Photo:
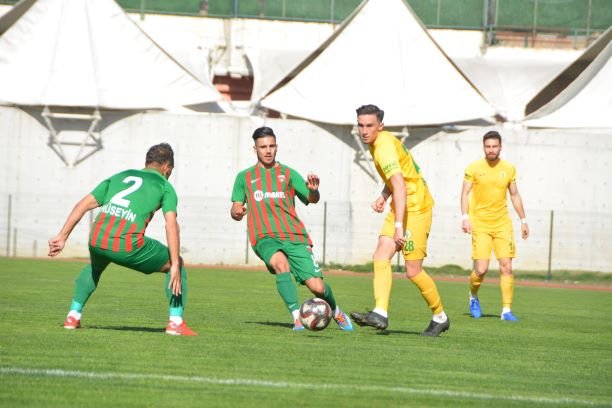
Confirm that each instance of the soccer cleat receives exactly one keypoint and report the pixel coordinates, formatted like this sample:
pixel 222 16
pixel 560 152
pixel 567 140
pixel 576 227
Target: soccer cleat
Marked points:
pixel 298 326
pixel 179 329
pixel 343 321
pixel 371 319
pixel 475 310
pixel 71 323
pixel 435 329
pixel 508 316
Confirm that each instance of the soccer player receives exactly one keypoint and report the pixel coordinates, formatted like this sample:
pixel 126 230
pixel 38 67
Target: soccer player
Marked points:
pixel 128 200
pixel 405 228
pixel 276 233
pixel 485 216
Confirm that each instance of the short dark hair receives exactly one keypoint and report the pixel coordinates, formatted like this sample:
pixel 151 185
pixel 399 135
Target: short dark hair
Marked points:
pixel 491 134
pixel 371 110
pixel 160 153
pixel 262 132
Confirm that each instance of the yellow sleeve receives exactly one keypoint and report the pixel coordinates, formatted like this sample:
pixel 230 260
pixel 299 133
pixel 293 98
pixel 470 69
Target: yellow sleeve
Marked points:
pixel 469 174
pixel 386 157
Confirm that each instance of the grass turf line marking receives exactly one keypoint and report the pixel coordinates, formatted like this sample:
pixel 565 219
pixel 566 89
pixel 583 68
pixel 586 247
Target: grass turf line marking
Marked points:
pixel 32 372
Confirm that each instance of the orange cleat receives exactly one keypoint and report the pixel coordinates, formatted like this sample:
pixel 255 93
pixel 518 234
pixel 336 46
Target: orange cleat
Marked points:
pixel 71 323
pixel 179 329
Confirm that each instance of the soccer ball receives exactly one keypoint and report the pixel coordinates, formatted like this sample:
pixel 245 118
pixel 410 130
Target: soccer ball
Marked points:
pixel 315 314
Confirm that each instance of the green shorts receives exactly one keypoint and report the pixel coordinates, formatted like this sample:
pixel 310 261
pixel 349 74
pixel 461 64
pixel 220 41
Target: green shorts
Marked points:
pixel 149 258
pixel 302 261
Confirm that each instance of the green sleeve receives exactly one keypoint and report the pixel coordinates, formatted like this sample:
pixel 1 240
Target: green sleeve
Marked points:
pixel 169 199
pixel 100 191
pixel 239 192
pixel 299 184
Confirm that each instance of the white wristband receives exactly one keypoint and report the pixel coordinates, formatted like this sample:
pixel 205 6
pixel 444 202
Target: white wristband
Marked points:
pixel 465 217
pixel 399 225
pixel 523 220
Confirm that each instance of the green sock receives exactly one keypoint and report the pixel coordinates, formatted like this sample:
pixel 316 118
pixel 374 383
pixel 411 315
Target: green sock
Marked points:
pixel 177 303
pixel 85 284
pixel 287 290
pixel 328 296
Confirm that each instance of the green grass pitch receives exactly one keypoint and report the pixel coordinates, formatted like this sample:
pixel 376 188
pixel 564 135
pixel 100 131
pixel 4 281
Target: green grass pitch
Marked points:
pixel 559 354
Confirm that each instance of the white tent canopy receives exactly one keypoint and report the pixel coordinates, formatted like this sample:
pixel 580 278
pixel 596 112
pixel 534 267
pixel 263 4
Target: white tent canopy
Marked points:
pixel 270 66
pixel 581 95
pixel 88 53
pixel 382 55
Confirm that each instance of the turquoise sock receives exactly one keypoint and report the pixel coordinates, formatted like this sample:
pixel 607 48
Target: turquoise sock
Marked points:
pixel 76 306
pixel 177 303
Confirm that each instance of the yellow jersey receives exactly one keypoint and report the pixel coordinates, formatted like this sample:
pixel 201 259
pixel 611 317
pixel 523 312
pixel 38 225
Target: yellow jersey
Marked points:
pixel 488 207
pixel 392 157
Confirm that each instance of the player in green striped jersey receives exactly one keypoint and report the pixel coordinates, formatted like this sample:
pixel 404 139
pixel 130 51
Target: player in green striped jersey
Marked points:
pixel 276 233
pixel 128 201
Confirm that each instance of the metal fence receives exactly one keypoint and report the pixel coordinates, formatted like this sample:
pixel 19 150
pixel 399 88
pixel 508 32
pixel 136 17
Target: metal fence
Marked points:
pixel 569 16
pixel 343 233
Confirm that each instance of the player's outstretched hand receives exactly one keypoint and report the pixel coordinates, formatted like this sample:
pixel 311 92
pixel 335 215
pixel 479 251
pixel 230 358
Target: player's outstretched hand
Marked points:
pixel 312 182
pixel 56 244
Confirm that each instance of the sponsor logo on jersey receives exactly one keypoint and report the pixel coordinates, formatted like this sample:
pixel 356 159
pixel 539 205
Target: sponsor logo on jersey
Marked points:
pixel 260 195
pixel 391 166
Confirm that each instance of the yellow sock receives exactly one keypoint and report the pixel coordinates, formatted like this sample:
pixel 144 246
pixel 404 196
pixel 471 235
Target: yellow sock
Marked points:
pixel 506 283
pixel 475 282
pixel 429 291
pixel 382 283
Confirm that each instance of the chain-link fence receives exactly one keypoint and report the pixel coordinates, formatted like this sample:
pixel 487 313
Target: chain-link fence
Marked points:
pixel 342 232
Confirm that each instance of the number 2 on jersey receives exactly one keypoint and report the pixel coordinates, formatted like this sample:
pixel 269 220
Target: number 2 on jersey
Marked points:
pixel 119 199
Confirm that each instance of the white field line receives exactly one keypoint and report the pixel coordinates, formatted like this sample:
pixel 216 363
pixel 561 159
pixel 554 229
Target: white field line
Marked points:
pixel 30 372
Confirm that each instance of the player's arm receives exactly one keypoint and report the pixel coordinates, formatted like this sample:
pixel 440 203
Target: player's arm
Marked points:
pixel 517 202
pixel 57 243
pixel 466 225
pixel 238 210
pixel 399 206
pixel 174 243
pixel 379 204
pixel 312 182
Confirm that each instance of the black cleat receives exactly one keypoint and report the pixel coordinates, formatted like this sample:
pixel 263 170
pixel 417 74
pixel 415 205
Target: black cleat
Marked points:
pixel 435 329
pixel 371 319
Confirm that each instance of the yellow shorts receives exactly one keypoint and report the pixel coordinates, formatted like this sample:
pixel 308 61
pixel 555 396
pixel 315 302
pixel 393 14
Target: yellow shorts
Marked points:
pixel 417 227
pixel 502 243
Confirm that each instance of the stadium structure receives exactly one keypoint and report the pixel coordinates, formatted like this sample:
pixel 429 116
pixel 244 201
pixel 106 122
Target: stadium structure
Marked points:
pixel 85 89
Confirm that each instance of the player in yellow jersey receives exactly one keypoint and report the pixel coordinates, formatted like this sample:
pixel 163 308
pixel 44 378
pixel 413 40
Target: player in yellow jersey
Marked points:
pixel 485 216
pixel 406 227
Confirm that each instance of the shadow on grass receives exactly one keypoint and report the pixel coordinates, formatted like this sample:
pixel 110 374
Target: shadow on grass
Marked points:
pixel 403 332
pixel 484 316
pixel 128 328
pixel 273 324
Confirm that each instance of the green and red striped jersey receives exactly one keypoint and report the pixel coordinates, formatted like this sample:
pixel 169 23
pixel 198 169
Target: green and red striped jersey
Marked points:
pixel 270 198
pixel 128 201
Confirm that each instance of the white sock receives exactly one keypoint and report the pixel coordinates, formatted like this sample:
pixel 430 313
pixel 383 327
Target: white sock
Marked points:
pixel 472 297
pixel 295 314
pixel 380 311
pixel 176 319
pixel 506 310
pixel 440 317
pixel 75 314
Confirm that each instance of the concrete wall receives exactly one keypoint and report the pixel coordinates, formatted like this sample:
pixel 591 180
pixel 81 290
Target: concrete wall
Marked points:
pixel 566 172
